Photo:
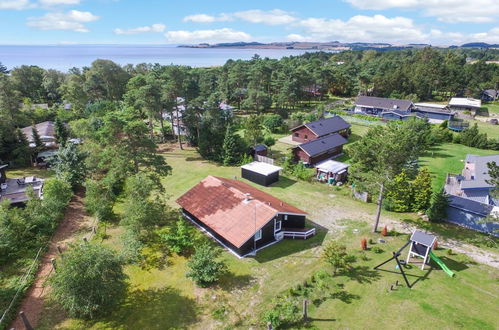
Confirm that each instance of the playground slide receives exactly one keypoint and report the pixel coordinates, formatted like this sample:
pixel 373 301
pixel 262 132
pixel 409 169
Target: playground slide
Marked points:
pixel 441 264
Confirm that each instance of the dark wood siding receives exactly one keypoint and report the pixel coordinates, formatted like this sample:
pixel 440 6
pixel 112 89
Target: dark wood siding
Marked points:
pixel 292 221
pixel 303 134
pixel 264 180
pixel 267 238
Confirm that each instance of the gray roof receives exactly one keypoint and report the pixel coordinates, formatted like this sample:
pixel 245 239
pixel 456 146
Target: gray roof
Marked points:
pixel 44 129
pixel 383 103
pixel 326 126
pixel 321 145
pixel 470 205
pixel 260 147
pixel 492 92
pixel 422 238
pixel 480 172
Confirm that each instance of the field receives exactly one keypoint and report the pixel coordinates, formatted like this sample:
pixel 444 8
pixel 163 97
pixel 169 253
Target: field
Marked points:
pixel 160 297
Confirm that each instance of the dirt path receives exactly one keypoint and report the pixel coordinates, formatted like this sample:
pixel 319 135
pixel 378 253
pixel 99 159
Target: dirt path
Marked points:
pixel 75 221
pixel 331 219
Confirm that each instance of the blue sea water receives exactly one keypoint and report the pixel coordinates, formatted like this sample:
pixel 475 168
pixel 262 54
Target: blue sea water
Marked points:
pixel 64 57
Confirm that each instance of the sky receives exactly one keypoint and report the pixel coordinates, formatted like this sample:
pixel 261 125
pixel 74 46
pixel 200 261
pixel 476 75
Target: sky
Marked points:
pixel 437 22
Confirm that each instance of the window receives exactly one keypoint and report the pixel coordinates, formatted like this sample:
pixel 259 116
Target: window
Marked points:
pixel 258 235
pixel 278 225
pixel 297 134
pixel 285 217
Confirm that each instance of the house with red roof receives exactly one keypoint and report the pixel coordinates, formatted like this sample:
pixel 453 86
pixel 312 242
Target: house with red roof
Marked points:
pixel 242 218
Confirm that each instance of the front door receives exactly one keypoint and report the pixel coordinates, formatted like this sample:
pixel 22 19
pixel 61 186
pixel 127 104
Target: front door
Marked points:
pixel 277 230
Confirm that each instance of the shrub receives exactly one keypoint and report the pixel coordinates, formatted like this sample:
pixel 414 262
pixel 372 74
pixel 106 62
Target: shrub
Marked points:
pixel 179 238
pixel 336 255
pixel 204 268
pixel 363 244
pixel 89 280
pixel 273 122
pixel 377 249
pixel 283 313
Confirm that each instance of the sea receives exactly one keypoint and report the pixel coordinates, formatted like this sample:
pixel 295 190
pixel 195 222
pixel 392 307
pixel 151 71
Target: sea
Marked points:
pixel 64 57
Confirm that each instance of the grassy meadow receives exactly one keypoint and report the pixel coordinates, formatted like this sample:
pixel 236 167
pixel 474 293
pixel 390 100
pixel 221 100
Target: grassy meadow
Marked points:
pixel 161 297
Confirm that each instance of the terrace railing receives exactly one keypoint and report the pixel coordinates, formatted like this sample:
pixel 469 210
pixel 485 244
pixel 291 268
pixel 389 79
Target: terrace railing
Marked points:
pixel 303 234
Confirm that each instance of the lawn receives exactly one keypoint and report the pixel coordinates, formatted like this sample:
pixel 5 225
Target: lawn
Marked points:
pixel 160 297
pixel 448 158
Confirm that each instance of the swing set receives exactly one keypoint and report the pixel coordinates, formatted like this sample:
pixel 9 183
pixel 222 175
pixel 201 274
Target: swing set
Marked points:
pixel 421 245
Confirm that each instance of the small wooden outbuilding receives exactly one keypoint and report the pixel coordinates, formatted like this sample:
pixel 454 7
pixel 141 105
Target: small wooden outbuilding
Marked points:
pixel 262 173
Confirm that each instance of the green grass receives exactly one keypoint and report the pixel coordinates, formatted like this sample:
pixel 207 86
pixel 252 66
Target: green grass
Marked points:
pixel 486 127
pixel 29 171
pixel 161 297
pixel 448 158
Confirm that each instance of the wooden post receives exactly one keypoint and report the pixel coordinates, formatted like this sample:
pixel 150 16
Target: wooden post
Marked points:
pixel 269 326
pixel 85 240
pixel 26 323
pixel 305 307
pixel 52 260
pixel 59 249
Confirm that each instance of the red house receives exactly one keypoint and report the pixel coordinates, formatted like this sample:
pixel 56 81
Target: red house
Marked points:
pixel 320 128
pixel 320 149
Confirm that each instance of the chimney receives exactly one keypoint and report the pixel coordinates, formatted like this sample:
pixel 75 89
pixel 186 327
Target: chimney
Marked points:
pixel 247 199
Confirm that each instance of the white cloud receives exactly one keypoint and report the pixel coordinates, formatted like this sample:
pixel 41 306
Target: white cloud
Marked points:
pixel 271 17
pixel 360 28
pixel 203 18
pixel 207 36
pixel 378 28
pixel 15 4
pixel 155 28
pixel 450 11
pixel 72 20
pixel 59 2
pixel 257 16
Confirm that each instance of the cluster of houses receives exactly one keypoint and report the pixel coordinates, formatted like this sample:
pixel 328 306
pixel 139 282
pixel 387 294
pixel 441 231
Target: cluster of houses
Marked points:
pixel 395 109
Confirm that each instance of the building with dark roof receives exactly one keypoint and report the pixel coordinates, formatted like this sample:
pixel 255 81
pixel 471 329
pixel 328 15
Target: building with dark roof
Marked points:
pixel 240 217
pixel 435 113
pixel 377 105
pixel 490 95
pixel 320 149
pixel 470 195
pixel 320 128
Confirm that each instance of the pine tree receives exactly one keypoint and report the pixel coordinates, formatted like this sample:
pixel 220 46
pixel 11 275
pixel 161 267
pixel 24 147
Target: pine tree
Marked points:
pixel 61 132
pixel 230 148
pixel 37 140
pixel 438 206
pixel 421 188
pixel 20 150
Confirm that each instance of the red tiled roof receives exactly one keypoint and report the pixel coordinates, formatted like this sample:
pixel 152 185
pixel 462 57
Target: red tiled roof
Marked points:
pixel 220 204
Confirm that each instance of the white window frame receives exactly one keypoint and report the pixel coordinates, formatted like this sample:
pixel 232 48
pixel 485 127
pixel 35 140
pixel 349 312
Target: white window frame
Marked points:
pixel 285 217
pixel 258 235
pixel 275 225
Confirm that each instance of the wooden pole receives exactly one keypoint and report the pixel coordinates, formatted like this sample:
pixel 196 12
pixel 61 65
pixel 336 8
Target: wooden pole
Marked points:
pixel 26 323
pixel 52 260
pixel 305 310
pixel 59 249
pixel 269 326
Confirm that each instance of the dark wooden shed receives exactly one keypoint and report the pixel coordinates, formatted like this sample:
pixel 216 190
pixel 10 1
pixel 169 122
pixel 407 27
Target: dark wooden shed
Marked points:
pixel 262 173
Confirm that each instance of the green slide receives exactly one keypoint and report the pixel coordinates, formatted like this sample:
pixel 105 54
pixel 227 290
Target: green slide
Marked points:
pixel 441 264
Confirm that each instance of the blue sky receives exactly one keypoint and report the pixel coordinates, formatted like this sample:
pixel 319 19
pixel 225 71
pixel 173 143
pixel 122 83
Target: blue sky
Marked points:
pixel 439 22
